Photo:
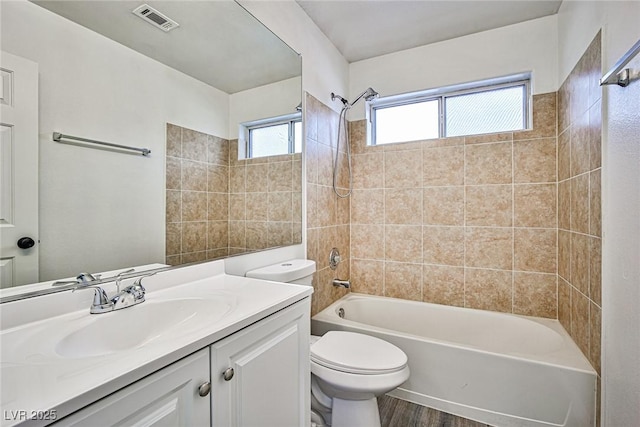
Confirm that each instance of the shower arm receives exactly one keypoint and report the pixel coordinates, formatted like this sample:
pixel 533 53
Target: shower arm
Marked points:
pixel 358 98
pixel 369 94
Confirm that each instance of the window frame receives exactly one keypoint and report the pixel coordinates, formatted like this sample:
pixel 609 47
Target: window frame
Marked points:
pixel 289 119
pixel 440 94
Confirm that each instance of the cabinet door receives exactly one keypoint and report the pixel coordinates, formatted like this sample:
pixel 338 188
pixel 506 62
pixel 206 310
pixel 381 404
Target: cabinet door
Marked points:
pixel 167 398
pixel 270 385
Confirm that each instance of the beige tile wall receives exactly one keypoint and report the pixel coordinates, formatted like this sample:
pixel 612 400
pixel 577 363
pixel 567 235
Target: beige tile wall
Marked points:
pixel 468 221
pixel 218 205
pixel 327 214
pixel 579 198
pixel 197 181
pixel 265 201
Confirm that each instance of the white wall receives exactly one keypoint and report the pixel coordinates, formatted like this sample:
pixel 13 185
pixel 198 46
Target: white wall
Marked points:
pixel 620 22
pixel 93 87
pixel 527 46
pixel 263 102
pixel 324 69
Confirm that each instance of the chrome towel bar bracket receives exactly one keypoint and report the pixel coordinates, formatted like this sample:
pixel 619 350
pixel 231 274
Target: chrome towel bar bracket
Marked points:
pixel 619 75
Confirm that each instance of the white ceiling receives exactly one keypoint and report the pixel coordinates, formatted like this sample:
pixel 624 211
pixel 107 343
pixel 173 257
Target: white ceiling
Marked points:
pixel 364 29
pixel 217 42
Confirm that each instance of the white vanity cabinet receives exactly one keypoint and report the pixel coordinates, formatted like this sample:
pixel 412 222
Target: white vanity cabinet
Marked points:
pixel 260 376
pixel 269 386
pixel 167 398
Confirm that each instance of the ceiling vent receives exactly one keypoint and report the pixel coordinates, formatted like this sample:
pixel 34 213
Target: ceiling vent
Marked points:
pixel 155 18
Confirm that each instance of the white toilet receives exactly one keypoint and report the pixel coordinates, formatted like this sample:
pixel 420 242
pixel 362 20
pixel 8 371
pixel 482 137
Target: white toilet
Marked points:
pixel 348 369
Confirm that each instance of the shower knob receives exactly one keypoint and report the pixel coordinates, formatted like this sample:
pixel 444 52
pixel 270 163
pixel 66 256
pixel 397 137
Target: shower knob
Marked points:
pixel 334 258
pixel 26 242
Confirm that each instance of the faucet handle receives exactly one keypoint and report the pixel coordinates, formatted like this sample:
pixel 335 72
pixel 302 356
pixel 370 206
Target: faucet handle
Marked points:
pixel 137 290
pixel 100 302
pixel 138 281
pixel 100 297
pixel 119 277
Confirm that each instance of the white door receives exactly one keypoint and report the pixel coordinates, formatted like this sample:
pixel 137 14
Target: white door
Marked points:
pixel 18 171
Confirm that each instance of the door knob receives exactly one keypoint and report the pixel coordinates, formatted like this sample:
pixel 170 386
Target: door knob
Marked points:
pixel 26 242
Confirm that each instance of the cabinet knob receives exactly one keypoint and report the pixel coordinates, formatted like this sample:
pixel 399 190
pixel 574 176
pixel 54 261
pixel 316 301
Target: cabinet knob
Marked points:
pixel 228 374
pixel 204 389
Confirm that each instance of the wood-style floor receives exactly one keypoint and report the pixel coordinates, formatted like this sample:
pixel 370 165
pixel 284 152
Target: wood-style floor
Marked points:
pixel 398 413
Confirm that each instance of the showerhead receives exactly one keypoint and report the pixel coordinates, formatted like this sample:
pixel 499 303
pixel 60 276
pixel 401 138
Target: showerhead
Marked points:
pixel 368 95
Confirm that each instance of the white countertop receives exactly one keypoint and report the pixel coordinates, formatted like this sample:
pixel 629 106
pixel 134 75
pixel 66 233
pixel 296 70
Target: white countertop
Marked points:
pixel 35 376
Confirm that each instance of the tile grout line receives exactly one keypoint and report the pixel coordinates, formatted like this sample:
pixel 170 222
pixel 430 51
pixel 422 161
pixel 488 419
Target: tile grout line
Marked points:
pixel 557 145
pixel 513 227
pixel 464 222
pixel 384 225
pixel 422 278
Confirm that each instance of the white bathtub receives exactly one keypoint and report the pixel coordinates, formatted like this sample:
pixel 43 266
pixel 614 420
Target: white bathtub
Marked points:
pixel 500 369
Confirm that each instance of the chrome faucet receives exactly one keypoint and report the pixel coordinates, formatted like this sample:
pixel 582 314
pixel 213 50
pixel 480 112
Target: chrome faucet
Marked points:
pixel 342 283
pixel 127 297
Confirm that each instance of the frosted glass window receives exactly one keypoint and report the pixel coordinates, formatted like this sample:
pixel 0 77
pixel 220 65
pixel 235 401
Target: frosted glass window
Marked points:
pixel 269 140
pixel 497 110
pixel 494 105
pixel 409 122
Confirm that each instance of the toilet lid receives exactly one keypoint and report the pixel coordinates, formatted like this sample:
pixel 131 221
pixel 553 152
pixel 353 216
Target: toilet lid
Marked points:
pixel 357 353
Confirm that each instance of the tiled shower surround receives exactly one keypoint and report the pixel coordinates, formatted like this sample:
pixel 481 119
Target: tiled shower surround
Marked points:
pixel 579 199
pixel 327 214
pixel 468 221
pixel 506 222
pixel 219 206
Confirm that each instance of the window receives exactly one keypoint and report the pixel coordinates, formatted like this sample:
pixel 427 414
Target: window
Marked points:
pixel 498 105
pixel 273 136
pixel 408 122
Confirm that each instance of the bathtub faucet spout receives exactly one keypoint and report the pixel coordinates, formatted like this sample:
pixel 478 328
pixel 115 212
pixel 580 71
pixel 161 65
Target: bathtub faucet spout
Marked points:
pixel 343 283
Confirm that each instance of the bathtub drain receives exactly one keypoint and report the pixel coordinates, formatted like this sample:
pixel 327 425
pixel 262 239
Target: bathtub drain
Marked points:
pixel 341 313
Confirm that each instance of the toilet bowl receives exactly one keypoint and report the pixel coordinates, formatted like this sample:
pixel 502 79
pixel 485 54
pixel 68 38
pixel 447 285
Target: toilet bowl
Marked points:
pixel 351 370
pixel 348 370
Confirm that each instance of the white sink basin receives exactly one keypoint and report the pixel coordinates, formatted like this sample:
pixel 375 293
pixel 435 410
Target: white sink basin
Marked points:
pixel 136 326
pixel 64 354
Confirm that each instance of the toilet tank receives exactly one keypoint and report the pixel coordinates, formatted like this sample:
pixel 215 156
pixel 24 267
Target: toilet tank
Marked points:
pixel 299 271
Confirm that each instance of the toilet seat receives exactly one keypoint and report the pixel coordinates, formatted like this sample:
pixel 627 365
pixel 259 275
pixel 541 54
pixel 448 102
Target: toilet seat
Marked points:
pixel 355 353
